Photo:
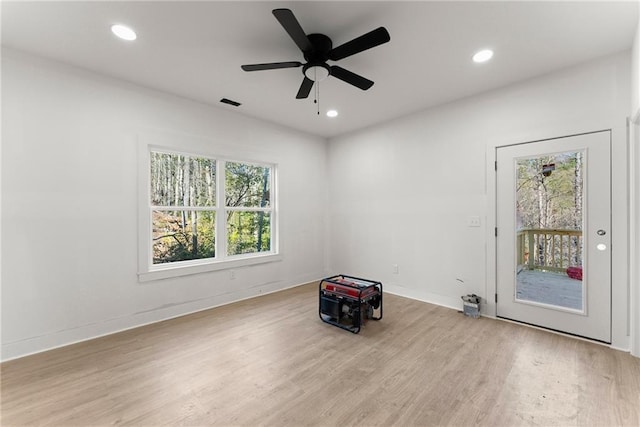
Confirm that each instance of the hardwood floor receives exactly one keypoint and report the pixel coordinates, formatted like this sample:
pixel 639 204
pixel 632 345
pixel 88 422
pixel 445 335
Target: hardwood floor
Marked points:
pixel 271 361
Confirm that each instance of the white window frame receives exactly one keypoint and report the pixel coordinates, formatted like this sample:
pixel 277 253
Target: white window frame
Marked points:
pixel 147 271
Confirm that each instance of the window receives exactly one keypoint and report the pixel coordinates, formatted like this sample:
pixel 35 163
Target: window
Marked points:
pixel 248 208
pixel 183 201
pixel 205 212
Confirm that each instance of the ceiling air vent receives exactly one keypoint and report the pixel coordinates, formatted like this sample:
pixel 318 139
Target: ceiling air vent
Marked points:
pixel 230 102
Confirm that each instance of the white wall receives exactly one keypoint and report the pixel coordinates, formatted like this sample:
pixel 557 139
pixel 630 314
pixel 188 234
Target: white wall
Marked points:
pixel 635 195
pixel 401 192
pixel 69 204
pixel 635 71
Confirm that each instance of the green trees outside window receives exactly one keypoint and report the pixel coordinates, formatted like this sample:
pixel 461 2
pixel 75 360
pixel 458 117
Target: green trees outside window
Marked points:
pixel 247 199
pixel 183 235
pixel 549 191
pixel 549 206
pixel 186 217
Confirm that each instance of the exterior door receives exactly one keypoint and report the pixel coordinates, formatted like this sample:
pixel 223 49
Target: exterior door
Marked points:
pixel 554 234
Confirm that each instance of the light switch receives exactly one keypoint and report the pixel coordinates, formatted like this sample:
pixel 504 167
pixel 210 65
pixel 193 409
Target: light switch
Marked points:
pixel 473 221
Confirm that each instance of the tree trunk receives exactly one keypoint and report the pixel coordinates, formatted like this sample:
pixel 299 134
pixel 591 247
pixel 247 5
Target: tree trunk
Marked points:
pixel 540 190
pixel 577 218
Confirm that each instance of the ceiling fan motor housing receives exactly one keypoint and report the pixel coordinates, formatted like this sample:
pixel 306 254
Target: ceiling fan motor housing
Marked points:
pixel 316 68
pixel 321 45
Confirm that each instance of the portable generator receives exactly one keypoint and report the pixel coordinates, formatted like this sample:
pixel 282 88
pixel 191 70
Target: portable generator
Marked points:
pixel 348 302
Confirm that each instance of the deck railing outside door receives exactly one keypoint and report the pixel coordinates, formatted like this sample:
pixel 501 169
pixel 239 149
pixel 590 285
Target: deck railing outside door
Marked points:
pixel 549 249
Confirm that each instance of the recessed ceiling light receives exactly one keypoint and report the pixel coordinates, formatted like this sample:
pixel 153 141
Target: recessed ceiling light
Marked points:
pixel 123 32
pixel 483 56
pixel 332 113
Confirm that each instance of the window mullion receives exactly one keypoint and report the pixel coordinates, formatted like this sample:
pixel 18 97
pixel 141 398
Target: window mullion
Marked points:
pixel 183 208
pixel 248 209
pixel 221 212
pixel 273 213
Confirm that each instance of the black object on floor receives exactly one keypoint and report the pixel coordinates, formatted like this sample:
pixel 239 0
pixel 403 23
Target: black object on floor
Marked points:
pixel 348 302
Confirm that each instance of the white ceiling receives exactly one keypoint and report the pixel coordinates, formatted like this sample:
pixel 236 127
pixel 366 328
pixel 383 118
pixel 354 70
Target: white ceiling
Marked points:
pixel 195 49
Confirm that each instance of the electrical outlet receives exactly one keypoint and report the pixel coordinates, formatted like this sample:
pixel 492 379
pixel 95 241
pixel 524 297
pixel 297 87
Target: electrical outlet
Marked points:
pixel 473 221
pixel 232 274
pixel 395 269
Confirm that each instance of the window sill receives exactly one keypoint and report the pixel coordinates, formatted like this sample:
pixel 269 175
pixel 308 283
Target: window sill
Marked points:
pixel 167 272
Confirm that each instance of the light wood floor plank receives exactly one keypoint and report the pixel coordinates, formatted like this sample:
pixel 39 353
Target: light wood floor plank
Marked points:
pixel 271 361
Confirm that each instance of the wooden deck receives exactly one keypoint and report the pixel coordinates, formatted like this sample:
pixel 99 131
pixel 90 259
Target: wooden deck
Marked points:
pixel 547 287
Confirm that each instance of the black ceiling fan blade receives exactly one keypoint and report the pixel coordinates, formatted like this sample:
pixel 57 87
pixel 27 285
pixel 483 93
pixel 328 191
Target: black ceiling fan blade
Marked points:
pixel 305 88
pixel 351 78
pixel 291 25
pixel 271 66
pixel 366 41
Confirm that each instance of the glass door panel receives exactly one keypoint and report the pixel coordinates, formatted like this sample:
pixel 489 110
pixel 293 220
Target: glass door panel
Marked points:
pixel 549 222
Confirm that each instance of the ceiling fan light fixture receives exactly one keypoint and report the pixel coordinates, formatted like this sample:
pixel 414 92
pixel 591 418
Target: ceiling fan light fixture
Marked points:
pixel 317 73
pixel 123 32
pixel 482 56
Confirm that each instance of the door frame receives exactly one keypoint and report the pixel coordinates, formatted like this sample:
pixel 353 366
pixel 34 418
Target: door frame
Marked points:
pixel 620 319
pixel 633 148
pixel 593 319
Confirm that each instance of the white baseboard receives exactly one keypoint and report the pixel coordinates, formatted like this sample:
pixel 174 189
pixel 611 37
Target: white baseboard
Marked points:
pixel 445 301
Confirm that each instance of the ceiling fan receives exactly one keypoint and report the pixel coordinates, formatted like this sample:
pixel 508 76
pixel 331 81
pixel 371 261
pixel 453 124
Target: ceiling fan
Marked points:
pixel 317 49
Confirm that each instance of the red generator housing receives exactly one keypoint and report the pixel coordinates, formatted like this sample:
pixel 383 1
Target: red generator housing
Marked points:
pixel 348 302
